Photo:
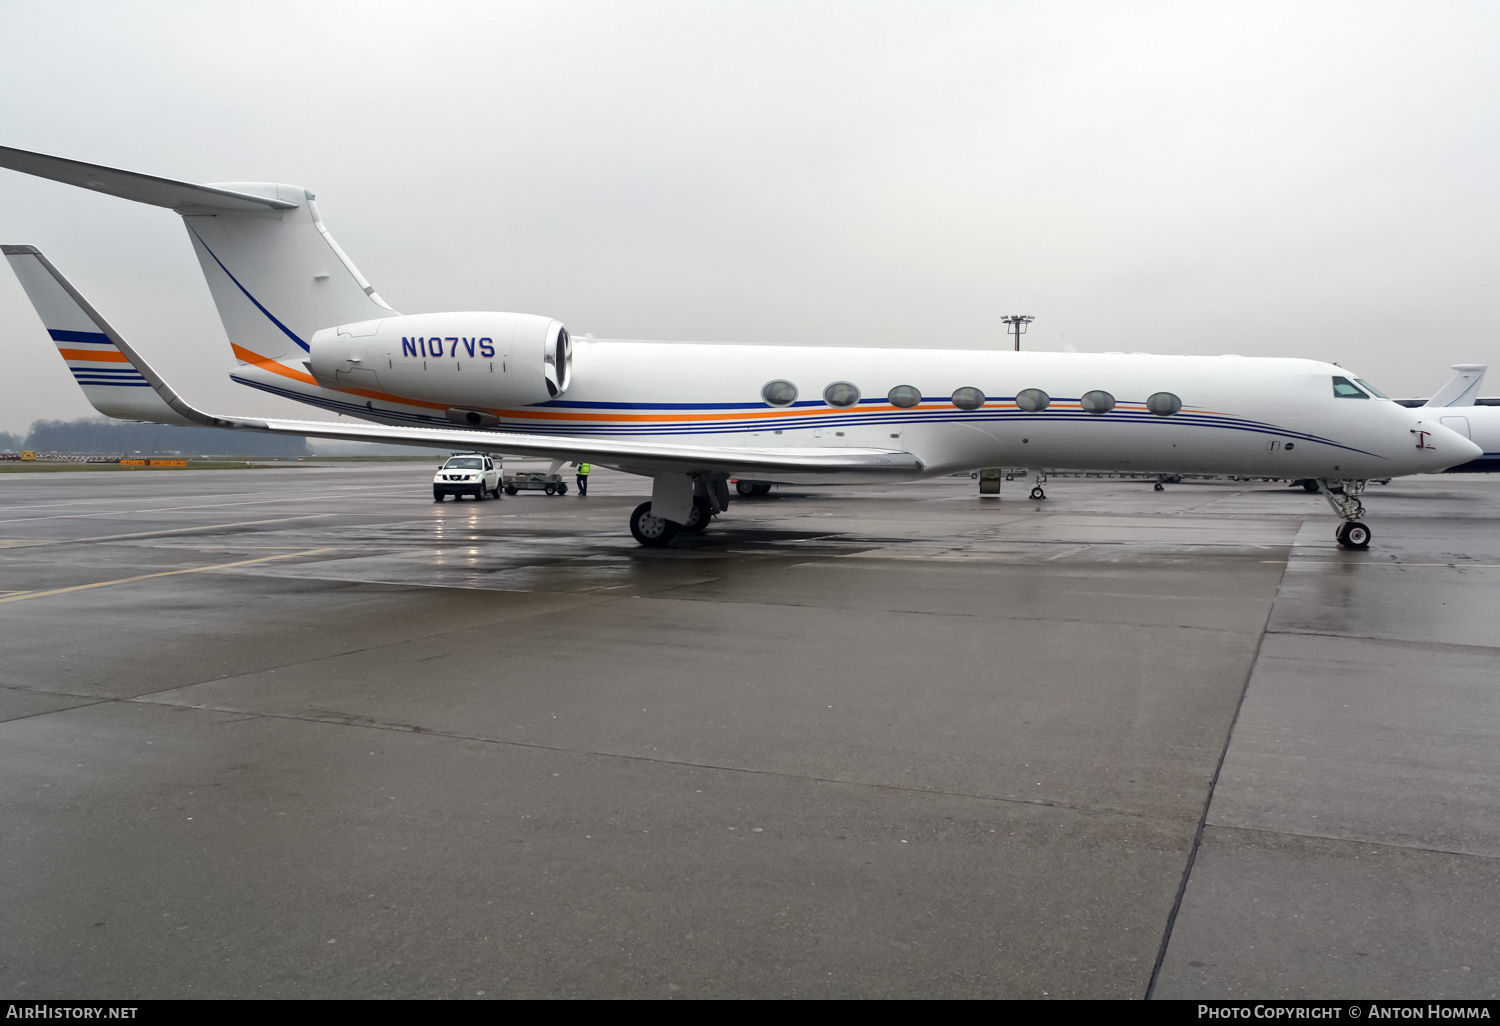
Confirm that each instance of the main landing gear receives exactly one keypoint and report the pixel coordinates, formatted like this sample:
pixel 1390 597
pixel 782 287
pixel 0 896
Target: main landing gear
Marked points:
pixel 710 498
pixel 1343 496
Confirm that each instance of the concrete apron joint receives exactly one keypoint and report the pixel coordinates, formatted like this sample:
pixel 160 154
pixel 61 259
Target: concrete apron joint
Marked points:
pixel 1187 870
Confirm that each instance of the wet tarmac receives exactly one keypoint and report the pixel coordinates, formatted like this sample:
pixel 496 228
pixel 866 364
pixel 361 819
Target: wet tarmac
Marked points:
pixel 305 733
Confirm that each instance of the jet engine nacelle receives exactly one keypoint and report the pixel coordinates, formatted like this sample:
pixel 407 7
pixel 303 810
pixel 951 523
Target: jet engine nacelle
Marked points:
pixel 462 360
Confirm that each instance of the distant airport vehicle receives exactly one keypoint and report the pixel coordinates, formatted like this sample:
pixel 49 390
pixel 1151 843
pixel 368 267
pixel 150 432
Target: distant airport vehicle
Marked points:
pixel 550 482
pixel 466 473
pixel 306 325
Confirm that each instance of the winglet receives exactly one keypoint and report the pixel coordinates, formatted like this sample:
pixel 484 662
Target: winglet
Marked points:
pixel 112 375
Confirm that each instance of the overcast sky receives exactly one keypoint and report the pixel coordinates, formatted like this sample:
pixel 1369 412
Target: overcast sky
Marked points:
pixel 1298 179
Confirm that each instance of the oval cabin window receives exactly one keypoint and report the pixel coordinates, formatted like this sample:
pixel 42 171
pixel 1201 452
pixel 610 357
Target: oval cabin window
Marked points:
pixel 1164 404
pixel 841 393
pixel 968 398
pixel 1097 401
pixel 1032 399
pixel 904 397
pixel 779 393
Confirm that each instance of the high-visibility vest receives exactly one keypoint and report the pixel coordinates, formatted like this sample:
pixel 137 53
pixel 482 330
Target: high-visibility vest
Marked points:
pixel 583 470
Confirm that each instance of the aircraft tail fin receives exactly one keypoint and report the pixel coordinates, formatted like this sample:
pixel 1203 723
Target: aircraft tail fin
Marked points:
pixel 112 377
pixel 275 273
pixel 1462 388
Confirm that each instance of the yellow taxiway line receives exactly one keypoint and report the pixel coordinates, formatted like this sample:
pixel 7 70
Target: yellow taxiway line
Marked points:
pixel 23 596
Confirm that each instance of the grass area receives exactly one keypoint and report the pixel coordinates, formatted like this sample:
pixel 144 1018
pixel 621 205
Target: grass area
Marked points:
pixel 64 468
pixel 42 466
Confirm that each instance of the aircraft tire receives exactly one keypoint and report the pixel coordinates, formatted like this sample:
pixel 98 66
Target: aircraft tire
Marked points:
pixel 652 532
pixel 1353 535
pixel 1037 493
pixel 698 520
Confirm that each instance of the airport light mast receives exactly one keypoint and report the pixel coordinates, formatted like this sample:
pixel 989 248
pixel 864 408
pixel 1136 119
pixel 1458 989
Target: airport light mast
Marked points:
pixel 1015 325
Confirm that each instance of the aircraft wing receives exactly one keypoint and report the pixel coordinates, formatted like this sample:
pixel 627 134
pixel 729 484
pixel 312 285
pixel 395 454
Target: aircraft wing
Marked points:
pixel 121 384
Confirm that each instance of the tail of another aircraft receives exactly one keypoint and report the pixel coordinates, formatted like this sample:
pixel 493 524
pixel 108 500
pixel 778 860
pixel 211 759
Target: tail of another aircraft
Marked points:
pixel 275 273
pixel 1462 387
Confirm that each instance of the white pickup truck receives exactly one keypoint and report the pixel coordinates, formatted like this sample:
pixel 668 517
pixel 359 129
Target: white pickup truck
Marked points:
pixel 467 473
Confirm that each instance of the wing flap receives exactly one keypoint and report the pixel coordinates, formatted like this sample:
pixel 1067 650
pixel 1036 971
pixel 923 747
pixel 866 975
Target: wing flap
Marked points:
pixel 799 465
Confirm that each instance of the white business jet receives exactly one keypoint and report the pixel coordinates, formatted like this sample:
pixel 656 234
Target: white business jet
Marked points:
pixel 305 324
pixel 1456 409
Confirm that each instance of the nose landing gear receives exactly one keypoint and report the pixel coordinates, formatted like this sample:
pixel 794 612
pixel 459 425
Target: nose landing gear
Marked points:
pixel 1343 496
pixel 1353 535
pixel 1036 492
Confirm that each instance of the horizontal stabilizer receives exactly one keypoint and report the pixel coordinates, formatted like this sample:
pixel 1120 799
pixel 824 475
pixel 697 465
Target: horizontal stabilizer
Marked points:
pixel 132 185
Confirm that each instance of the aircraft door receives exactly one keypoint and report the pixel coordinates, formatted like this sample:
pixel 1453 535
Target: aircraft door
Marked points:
pixel 1459 424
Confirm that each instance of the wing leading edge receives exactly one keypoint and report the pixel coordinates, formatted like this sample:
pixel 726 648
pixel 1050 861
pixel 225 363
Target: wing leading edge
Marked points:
pixel 58 302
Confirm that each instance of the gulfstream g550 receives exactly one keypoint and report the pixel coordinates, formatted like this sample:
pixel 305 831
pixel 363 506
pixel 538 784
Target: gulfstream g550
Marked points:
pixel 305 324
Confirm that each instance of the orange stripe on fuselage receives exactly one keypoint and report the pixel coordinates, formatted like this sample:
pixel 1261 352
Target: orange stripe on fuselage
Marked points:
pixel 277 367
pixel 95 355
pixel 274 366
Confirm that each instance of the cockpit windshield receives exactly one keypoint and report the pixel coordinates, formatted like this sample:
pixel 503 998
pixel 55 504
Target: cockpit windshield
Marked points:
pixel 1377 393
pixel 464 463
pixel 1343 388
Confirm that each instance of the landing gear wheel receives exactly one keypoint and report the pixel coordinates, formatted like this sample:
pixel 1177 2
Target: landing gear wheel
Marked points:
pixel 550 489
pixel 1310 486
pixel 1158 487
pixel 698 517
pixel 652 532
pixel 1353 535
pixel 1037 493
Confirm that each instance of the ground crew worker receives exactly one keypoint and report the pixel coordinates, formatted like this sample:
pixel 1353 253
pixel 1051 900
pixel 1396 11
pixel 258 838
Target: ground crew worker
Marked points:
pixel 583 478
